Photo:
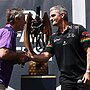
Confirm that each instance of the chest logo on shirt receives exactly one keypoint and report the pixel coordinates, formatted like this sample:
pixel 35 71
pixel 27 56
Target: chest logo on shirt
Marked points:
pixel 70 35
pixel 56 40
pixel 64 43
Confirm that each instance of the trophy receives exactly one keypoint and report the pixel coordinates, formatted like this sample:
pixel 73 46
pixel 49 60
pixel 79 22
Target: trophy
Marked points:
pixel 36 35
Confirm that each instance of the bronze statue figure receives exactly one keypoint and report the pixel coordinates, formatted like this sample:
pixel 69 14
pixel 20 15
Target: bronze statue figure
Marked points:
pixel 38 30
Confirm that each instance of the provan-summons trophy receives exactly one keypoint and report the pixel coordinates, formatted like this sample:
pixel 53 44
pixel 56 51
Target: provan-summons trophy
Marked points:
pixel 36 35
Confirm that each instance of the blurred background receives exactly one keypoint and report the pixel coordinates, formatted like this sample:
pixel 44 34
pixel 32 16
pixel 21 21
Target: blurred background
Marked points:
pixel 78 12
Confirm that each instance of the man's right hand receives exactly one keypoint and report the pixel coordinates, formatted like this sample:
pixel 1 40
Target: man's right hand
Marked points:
pixel 23 58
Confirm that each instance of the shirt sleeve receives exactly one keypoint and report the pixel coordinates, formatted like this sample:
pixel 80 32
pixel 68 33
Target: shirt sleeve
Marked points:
pixel 85 37
pixel 5 39
pixel 49 47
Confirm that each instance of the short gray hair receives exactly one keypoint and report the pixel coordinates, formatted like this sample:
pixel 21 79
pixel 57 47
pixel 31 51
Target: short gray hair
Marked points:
pixel 61 10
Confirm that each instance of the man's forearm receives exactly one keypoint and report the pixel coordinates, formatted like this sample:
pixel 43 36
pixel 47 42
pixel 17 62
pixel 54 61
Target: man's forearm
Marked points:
pixel 43 57
pixel 88 59
pixel 9 55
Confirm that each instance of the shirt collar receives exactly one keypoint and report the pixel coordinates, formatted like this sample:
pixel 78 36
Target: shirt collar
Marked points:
pixel 10 26
pixel 66 31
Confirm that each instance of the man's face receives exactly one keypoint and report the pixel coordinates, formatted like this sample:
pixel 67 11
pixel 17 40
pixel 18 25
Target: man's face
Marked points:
pixel 55 17
pixel 20 23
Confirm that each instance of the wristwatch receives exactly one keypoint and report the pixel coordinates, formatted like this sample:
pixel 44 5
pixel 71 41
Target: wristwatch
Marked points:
pixel 88 71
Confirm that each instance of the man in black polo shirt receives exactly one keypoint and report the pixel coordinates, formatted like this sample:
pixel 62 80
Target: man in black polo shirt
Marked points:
pixel 71 47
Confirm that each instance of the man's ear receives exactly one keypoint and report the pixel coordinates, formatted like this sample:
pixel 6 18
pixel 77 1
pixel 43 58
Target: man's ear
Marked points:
pixel 63 15
pixel 16 19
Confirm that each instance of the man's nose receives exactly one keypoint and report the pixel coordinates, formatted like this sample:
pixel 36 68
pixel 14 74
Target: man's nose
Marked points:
pixel 51 19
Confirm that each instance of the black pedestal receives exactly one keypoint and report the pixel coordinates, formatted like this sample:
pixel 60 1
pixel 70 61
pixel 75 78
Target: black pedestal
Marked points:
pixel 38 82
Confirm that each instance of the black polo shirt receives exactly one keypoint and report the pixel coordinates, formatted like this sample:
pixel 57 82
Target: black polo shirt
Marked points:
pixel 68 48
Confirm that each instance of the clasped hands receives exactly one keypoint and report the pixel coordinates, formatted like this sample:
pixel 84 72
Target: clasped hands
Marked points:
pixel 23 58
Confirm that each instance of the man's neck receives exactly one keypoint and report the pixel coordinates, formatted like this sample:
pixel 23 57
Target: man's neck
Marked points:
pixel 63 27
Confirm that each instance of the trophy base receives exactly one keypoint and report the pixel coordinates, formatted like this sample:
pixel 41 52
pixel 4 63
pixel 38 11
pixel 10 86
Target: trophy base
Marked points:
pixel 47 82
pixel 38 68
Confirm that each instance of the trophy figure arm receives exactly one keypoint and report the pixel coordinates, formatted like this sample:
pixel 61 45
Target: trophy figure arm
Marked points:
pixel 47 30
pixel 27 32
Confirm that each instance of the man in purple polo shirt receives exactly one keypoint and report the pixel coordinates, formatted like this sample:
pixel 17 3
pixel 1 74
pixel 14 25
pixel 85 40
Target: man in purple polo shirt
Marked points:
pixel 8 55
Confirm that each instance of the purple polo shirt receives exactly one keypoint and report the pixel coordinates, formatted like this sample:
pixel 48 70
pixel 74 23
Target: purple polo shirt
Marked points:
pixel 7 40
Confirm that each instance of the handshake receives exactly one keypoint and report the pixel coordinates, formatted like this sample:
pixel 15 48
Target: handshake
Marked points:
pixel 22 58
